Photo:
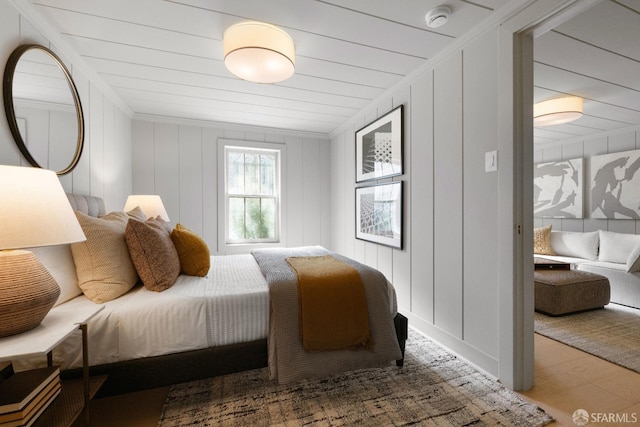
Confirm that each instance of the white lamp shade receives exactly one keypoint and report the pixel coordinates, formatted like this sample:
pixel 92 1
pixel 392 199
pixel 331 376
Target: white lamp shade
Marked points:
pixel 150 204
pixel 557 111
pixel 259 52
pixel 34 209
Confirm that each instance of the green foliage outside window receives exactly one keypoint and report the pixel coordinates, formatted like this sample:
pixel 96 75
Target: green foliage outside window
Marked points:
pixel 252 202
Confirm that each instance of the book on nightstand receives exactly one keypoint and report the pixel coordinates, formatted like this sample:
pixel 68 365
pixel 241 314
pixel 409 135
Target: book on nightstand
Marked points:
pixel 25 395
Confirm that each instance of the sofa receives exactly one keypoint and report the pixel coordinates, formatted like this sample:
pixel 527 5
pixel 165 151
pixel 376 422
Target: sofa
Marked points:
pixel 613 255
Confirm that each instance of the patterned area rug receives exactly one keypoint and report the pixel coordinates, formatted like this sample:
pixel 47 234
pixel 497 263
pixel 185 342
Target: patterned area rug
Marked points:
pixel 610 333
pixel 434 388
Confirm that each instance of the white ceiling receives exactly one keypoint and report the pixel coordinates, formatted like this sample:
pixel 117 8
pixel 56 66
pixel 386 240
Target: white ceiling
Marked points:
pixel 595 55
pixel 163 58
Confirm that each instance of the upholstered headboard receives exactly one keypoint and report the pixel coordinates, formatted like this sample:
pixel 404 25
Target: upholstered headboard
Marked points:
pixel 90 205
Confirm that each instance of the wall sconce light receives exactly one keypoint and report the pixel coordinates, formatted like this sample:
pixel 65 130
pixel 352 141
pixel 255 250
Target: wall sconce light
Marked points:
pixel 258 52
pixel 151 205
pixel 557 111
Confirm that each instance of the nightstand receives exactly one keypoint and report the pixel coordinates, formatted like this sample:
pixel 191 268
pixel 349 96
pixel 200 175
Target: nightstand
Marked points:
pixel 60 323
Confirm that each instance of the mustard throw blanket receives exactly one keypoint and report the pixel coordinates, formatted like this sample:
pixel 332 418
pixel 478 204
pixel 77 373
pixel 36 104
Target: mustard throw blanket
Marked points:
pixel 333 305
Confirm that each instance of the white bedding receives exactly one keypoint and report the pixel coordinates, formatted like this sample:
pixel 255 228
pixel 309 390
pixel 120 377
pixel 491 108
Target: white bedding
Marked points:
pixel 229 305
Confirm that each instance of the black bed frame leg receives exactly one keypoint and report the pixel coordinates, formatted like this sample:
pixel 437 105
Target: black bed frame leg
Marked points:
pixel 402 332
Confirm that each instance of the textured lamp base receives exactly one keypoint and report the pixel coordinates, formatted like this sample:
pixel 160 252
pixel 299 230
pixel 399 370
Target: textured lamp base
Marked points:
pixel 27 292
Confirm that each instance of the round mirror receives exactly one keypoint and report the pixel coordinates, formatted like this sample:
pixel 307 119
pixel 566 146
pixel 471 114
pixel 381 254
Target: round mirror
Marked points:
pixel 43 109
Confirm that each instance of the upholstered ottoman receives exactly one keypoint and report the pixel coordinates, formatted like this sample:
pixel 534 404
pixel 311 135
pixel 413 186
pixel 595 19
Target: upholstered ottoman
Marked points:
pixel 560 292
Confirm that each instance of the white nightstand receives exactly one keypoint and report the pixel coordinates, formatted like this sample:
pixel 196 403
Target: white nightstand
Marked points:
pixel 60 323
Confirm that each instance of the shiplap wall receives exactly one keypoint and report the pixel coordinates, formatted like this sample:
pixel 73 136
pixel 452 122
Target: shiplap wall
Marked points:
pixel 605 143
pixel 447 275
pixel 104 169
pixel 179 163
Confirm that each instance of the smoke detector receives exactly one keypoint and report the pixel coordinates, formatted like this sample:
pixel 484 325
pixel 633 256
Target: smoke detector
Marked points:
pixel 438 16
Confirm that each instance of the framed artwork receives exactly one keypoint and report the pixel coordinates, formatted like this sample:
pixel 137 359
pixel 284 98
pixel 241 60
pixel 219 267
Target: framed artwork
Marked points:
pixel 379 214
pixel 614 182
pixel 379 147
pixel 558 189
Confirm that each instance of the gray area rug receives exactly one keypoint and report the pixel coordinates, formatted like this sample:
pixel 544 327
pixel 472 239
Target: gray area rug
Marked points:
pixel 434 388
pixel 612 333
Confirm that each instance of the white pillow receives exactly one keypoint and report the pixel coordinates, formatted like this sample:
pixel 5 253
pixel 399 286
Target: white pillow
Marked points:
pixel 575 244
pixel 616 247
pixel 633 261
pixel 58 260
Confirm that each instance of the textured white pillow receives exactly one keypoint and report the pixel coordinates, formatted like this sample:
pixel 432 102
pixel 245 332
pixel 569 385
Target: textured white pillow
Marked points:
pixel 575 244
pixel 616 247
pixel 58 260
pixel 633 261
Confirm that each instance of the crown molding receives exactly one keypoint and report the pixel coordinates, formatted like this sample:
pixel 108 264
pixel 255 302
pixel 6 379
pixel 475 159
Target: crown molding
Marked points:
pixel 230 126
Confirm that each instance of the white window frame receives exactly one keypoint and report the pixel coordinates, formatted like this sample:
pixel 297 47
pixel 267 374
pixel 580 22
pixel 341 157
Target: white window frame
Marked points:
pixel 241 246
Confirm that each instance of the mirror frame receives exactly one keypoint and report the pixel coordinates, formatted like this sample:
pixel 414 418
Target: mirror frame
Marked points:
pixel 10 110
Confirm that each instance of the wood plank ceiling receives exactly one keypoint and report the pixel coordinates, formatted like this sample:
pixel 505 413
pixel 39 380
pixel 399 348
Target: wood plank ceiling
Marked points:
pixel 595 55
pixel 163 58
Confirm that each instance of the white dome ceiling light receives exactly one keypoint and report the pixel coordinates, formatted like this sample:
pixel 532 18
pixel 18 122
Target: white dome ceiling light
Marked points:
pixel 438 16
pixel 557 111
pixel 258 52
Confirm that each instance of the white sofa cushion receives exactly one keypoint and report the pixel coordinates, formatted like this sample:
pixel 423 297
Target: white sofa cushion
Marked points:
pixel 633 261
pixel 575 244
pixel 616 247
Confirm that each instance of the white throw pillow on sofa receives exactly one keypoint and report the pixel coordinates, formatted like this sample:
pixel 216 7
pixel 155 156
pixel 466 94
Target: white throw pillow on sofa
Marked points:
pixel 633 261
pixel 616 247
pixel 575 244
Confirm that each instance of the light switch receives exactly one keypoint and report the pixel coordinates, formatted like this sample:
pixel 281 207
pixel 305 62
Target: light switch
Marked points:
pixel 491 161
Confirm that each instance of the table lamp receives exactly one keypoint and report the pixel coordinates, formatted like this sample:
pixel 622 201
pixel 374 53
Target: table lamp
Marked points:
pixel 34 211
pixel 151 205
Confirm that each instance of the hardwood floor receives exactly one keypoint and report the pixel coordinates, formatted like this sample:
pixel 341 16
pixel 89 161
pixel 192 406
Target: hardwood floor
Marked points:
pixel 566 380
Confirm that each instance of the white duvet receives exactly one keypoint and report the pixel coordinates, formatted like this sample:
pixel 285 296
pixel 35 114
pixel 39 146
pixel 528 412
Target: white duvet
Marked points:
pixel 229 305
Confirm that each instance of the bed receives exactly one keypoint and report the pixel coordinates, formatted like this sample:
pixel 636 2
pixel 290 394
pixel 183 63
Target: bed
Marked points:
pixel 200 326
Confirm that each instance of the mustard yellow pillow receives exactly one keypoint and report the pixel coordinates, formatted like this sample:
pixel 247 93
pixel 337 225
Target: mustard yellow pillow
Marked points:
pixel 153 254
pixel 542 241
pixel 195 259
pixel 103 264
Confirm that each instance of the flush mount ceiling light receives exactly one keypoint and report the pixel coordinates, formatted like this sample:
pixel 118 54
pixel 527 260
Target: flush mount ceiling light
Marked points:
pixel 258 52
pixel 557 111
pixel 438 16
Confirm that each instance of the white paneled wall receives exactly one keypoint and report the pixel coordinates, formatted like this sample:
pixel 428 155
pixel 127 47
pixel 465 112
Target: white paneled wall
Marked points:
pixel 605 143
pixel 447 195
pixel 104 169
pixel 179 163
pixel 447 275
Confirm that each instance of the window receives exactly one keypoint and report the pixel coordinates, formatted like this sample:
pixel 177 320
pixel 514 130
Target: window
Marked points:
pixel 252 194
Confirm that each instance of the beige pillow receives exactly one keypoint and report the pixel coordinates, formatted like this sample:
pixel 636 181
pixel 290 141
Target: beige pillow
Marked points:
pixel 153 254
pixel 542 242
pixel 103 264
pixel 195 258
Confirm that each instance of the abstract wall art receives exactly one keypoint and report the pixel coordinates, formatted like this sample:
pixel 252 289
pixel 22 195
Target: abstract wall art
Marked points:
pixel 557 189
pixel 379 147
pixel 379 214
pixel 614 185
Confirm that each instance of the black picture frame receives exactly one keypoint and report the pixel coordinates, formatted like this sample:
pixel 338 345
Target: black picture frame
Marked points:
pixel 379 213
pixel 379 147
